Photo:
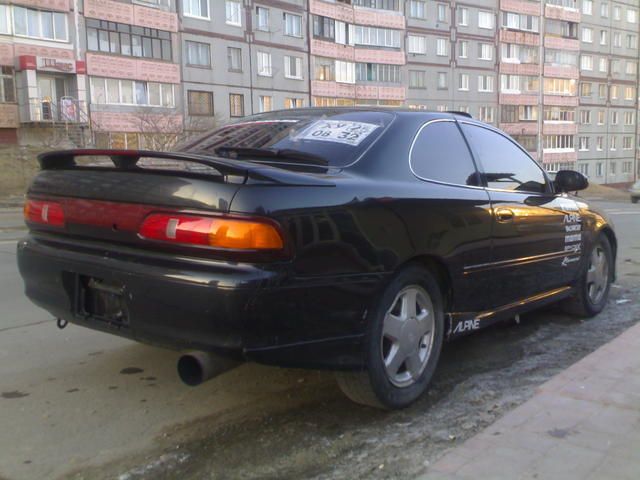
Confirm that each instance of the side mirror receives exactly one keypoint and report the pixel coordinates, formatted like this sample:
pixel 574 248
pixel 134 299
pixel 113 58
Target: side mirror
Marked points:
pixel 570 181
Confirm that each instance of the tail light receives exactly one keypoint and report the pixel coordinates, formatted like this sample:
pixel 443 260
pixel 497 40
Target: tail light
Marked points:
pixel 215 232
pixel 44 212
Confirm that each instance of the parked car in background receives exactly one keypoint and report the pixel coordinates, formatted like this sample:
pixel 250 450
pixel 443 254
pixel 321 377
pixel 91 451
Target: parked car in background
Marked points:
pixel 357 240
pixel 635 192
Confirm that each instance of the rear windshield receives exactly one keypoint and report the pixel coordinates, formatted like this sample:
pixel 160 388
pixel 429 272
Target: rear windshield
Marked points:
pixel 338 137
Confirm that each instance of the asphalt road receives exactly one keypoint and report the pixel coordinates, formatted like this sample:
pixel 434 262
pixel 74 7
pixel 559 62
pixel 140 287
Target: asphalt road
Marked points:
pixel 81 404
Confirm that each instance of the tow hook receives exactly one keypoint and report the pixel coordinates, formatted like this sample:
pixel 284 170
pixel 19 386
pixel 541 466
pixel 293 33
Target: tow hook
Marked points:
pixel 61 323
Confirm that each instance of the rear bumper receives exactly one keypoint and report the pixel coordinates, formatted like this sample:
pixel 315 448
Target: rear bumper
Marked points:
pixel 241 310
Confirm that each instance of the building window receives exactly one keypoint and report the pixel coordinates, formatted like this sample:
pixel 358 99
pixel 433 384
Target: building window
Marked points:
pixel 485 51
pixel 485 83
pixel 324 27
pixel 262 15
pixel 614 118
pixel 463 49
pixel 614 142
pixel 442 81
pixel 602 90
pixel 377 4
pixel 558 142
pixel 559 86
pixel 516 21
pixel 601 117
pixel 485 20
pixel 559 114
pixel 586 62
pixel 233 13
pixel 236 105
pixel 5 19
pixel 198 54
pixel 583 168
pixel 200 103
pixel 602 65
pixel 345 72
pixel 264 64
pixel 234 59
pixel 632 16
pixel 599 169
pixel 603 37
pixel 196 8
pixel 587 7
pixel 40 24
pixel 418 9
pixel 617 39
pixel 629 93
pixel 583 144
pixel 123 39
pixel 585 117
pixel 629 118
pixel 377 37
pixel 441 47
pixel 463 16
pixel 377 72
pixel 587 34
pixel 417 79
pixel 442 12
pixel 324 69
pixel 265 103
pixel 617 13
pixel 630 67
pixel 626 167
pixel 613 92
pixel 129 92
pixel 417 44
pixel 293 103
pixel 293 67
pixel 585 89
pixel 7 85
pixel 599 143
pixel 463 83
pixel 292 25
pixel 486 114
pixel 612 167
pixel 627 143
pixel 632 41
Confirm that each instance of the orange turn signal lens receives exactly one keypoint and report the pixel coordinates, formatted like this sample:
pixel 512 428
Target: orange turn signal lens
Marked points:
pixel 216 232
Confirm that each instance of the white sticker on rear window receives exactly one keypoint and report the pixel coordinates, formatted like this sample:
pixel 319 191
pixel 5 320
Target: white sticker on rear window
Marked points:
pixel 338 131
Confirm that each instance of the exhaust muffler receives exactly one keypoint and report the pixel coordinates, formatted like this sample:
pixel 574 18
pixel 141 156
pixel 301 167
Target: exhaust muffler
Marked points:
pixel 195 368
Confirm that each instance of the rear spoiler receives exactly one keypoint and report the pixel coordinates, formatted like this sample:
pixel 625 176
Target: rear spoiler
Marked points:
pixel 128 159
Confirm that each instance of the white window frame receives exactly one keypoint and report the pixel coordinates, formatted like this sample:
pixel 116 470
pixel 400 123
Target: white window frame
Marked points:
pixel 233 13
pixel 264 64
pixel 262 19
pixel 463 82
pixel 484 48
pixel 297 61
pixel 587 7
pixel 40 14
pixel 463 14
pixel 441 47
pixel 417 44
pixel 463 51
pixel 292 24
pixel 488 22
pixel 345 72
pixel 485 83
pixel 587 34
pixel 196 12
pixel 418 9
pixel 586 62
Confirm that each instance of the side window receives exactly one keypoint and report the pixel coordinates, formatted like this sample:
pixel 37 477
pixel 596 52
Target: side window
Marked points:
pixel 440 153
pixel 503 164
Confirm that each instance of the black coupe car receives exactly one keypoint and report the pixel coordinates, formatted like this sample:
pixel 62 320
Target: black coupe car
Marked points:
pixel 352 239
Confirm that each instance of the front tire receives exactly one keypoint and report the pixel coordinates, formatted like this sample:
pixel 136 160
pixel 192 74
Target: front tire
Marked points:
pixel 402 345
pixel 592 288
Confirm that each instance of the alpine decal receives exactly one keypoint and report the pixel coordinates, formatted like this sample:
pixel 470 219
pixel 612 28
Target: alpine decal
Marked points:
pixel 467 326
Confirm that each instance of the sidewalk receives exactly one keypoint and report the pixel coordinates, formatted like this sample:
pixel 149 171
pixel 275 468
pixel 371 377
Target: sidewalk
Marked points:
pixel 582 424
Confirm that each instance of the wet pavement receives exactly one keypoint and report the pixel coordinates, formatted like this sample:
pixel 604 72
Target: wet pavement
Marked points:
pixel 81 404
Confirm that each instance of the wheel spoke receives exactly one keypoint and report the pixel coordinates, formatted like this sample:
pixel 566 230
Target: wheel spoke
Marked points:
pixel 409 304
pixel 591 275
pixel 395 360
pixel 425 322
pixel 414 365
pixel 392 327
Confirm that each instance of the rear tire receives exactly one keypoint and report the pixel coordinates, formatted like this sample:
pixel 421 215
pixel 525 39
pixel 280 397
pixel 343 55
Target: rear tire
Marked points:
pixel 634 199
pixel 592 288
pixel 402 344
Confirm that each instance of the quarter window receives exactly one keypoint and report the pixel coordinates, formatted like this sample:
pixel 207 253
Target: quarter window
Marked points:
pixel 441 154
pixel 504 165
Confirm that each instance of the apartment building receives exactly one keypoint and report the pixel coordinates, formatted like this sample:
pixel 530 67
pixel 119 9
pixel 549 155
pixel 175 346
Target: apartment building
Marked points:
pixel 560 76
pixel 607 139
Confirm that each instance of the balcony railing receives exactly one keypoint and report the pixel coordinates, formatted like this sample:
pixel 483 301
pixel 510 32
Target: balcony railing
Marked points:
pixel 65 110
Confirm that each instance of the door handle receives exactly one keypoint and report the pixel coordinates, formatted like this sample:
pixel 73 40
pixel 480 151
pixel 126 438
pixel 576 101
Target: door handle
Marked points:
pixel 504 215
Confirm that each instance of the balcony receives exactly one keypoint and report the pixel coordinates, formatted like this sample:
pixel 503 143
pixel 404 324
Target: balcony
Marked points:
pixel 66 110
